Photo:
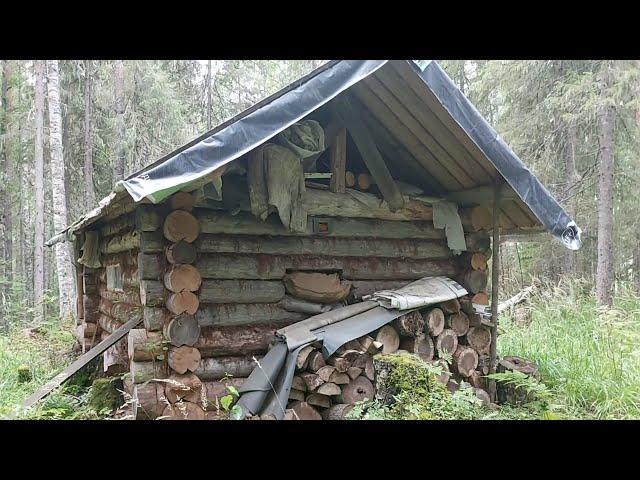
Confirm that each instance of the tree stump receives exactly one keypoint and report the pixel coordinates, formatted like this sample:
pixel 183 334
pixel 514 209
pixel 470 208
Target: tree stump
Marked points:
pixel 508 393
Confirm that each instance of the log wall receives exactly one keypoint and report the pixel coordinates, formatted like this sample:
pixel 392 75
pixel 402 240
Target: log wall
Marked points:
pixel 210 291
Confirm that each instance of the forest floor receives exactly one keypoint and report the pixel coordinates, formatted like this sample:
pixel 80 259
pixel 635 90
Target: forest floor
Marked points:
pixel 589 361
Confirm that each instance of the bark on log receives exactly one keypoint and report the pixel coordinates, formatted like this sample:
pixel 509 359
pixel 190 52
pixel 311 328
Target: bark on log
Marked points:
pixel 338 411
pixel 108 324
pixel 120 243
pixel 150 266
pixel 465 360
pixel 181 225
pixel 357 390
pixel 214 222
pixel 354 372
pixel 115 360
pixel 147 218
pixel 246 313
pixel 216 368
pixel 273 267
pixel 147 401
pixel 143 346
pixel 339 247
pixel 152 293
pixel 298 383
pixel 339 378
pixel 302 360
pixel 183 302
pixel 236 340
pixel 181 253
pixel 297 395
pixel 184 359
pixel 145 371
pixel 128 295
pixel 446 342
pixel 434 321
pixel 389 338
pixel 241 291
pixel 483 396
pixel 304 411
pixel 154 318
pixel 442 378
pixel 459 323
pixel 410 324
pixel 420 345
pixel 181 278
pixel 151 242
pixel 341 364
pixel 476 380
pixel 182 330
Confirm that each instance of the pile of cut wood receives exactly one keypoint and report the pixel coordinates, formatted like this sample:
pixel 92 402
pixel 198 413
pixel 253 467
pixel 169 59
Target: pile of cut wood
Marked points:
pixel 450 334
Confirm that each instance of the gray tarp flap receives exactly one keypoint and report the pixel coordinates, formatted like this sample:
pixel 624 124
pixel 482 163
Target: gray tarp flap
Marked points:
pixel 258 385
pixel 516 173
pixel 232 140
pixel 277 400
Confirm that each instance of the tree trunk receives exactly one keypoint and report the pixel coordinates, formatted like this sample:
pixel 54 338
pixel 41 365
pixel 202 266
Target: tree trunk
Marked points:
pixel 209 124
pixel 63 258
pixel 119 167
pixel 89 193
pixel 606 120
pixel 10 147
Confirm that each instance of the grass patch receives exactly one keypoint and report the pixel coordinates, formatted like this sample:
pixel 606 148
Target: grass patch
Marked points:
pixel 589 356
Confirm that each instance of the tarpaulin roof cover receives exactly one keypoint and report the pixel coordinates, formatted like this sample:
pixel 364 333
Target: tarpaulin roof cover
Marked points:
pixel 263 121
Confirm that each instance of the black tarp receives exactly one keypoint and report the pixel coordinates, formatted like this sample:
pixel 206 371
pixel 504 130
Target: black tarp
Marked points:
pixel 262 122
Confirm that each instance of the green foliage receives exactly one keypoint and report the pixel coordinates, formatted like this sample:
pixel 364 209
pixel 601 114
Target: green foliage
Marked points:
pixel 589 356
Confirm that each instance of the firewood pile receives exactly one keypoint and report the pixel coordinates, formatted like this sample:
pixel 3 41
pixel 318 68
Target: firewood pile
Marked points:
pixel 450 334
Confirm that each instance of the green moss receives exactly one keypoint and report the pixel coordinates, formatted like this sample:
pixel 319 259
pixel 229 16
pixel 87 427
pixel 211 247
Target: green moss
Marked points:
pixel 104 396
pixel 24 374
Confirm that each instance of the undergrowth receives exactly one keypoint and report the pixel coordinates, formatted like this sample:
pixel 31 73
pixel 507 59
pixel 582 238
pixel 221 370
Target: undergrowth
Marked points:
pixel 589 356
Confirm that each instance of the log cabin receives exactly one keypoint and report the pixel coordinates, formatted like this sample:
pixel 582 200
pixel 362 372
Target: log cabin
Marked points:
pixel 361 176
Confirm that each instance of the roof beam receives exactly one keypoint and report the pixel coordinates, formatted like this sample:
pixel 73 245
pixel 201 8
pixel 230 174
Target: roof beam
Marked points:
pixel 481 195
pixel 370 154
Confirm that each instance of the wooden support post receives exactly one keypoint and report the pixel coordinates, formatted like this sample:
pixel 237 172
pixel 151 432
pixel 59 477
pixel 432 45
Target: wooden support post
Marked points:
pixel 338 152
pixel 370 154
pixel 495 270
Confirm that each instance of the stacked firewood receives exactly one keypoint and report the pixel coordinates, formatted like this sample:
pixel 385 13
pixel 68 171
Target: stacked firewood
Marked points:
pixel 450 335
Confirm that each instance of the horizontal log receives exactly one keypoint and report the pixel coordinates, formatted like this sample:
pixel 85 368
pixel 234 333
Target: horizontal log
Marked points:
pixel 145 371
pixel 151 242
pixel 271 267
pixel 108 324
pixel 121 223
pixel 215 368
pixel 120 243
pixel 152 293
pixel 120 311
pixel 368 287
pixel 154 318
pixel 243 223
pixel 147 218
pixel 241 291
pixel 245 313
pixel 339 247
pixel 236 340
pixel 130 295
pixel 150 266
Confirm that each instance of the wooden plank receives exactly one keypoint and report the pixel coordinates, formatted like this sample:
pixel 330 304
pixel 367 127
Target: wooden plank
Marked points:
pixel 370 154
pixel 390 120
pixel 460 171
pixel 338 159
pixel 389 77
pixel 343 247
pixel 80 363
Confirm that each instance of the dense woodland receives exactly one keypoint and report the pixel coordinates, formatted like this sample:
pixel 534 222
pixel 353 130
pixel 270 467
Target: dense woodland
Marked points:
pixel 70 129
